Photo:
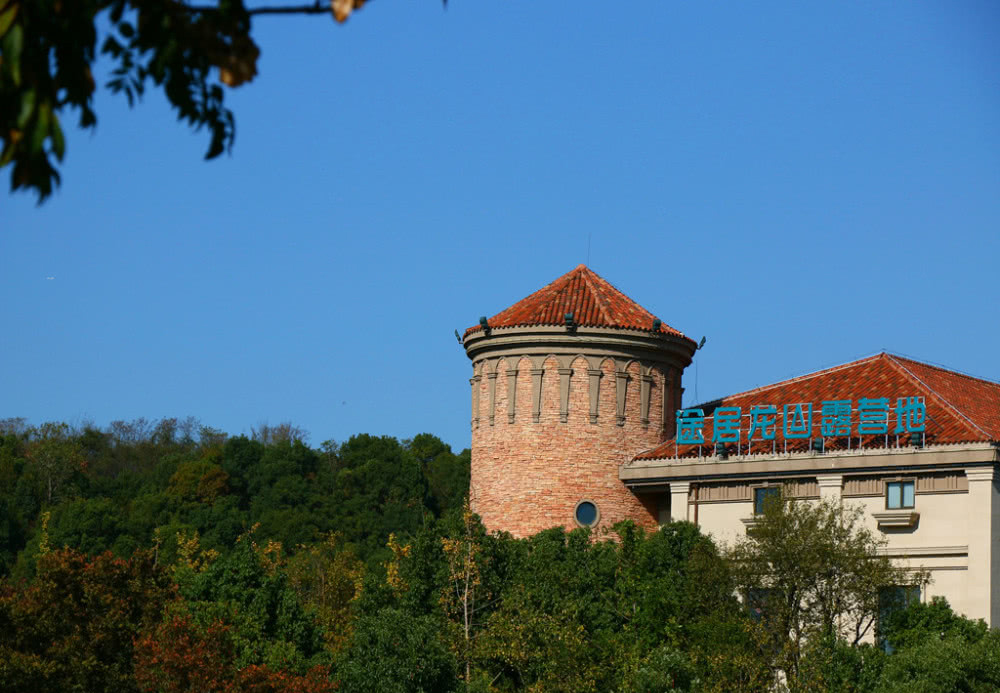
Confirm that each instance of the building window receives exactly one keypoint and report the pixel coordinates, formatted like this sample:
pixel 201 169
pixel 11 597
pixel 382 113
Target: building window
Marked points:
pixel 891 600
pixel 762 603
pixel 663 509
pixel 586 513
pixel 760 496
pixel 898 494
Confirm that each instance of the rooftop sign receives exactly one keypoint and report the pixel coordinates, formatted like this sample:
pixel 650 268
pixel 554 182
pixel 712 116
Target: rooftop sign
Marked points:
pixel 834 419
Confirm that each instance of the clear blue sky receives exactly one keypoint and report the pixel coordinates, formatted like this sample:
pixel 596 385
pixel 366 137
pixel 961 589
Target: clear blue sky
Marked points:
pixel 803 183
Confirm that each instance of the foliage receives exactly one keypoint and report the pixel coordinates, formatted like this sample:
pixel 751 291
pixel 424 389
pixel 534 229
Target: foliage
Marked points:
pixel 48 49
pixel 180 655
pixel 73 626
pixel 393 651
pixel 944 665
pixel 327 577
pixel 393 584
pixel 935 620
pixel 248 593
pixel 664 670
pixel 812 571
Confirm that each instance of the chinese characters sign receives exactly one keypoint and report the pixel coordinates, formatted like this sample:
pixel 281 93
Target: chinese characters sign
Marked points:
pixel 834 418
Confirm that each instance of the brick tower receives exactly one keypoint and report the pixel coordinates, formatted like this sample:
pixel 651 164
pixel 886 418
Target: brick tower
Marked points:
pixel 568 384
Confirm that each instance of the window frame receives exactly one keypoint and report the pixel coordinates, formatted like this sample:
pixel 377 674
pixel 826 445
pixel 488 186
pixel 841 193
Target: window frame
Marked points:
pixel 901 481
pixel 893 598
pixel 769 489
pixel 597 513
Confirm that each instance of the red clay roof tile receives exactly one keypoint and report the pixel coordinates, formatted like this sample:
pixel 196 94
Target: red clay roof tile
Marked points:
pixel 960 408
pixel 592 300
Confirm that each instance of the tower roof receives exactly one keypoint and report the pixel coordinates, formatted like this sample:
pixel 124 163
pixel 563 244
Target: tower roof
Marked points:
pixel 592 300
pixel 960 408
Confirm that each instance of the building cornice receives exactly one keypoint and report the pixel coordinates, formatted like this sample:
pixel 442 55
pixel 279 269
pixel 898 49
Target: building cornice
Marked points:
pixel 586 341
pixel 641 473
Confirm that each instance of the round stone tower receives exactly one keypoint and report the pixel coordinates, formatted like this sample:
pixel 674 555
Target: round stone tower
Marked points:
pixel 567 385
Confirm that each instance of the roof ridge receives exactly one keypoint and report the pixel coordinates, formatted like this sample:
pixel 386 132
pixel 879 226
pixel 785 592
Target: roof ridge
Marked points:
pixel 599 299
pixel 891 358
pixel 798 378
pixel 939 367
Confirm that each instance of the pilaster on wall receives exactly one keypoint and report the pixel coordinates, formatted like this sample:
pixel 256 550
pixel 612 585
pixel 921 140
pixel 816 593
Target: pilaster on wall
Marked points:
pixel 645 385
pixel 511 393
pixel 651 399
pixel 536 393
pixel 983 513
pixel 492 377
pixel 679 491
pixel 594 375
pixel 564 376
pixel 621 383
pixel 474 382
pixel 831 486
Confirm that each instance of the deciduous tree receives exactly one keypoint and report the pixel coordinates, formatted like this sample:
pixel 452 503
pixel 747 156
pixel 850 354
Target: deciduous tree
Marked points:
pixel 813 571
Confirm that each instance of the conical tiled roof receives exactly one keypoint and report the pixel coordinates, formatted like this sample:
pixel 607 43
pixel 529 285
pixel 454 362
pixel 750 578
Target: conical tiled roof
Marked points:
pixel 960 408
pixel 592 301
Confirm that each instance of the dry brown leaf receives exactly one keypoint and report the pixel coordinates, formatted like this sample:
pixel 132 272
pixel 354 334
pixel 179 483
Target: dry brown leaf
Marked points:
pixel 342 8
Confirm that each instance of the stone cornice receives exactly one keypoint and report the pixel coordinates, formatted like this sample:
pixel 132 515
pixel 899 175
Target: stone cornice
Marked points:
pixel 640 474
pixel 586 341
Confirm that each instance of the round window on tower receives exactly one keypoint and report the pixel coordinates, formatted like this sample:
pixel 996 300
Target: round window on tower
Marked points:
pixel 586 513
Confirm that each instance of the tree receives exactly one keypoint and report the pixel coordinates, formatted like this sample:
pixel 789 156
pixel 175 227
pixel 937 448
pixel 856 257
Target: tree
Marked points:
pixel 247 591
pixel 938 651
pixel 813 572
pixel 463 597
pixel 73 627
pixel 48 49
pixel 327 577
pixel 180 655
pixel 56 456
pixel 393 651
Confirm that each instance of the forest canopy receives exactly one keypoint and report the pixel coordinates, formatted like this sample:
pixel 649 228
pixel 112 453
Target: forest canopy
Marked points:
pixel 168 556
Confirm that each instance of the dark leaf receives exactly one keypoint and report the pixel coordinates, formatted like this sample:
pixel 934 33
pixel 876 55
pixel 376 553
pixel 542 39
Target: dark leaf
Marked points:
pixel 13 44
pixel 7 17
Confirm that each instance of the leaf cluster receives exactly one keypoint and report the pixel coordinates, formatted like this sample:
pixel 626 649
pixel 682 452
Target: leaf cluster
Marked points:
pixel 47 53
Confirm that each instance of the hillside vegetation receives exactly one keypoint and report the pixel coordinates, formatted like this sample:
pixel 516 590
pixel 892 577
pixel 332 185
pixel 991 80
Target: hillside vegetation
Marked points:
pixel 168 556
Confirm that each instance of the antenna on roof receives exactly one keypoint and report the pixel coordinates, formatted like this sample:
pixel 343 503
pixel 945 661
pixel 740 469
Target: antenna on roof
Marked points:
pixel 697 349
pixel 458 337
pixel 588 249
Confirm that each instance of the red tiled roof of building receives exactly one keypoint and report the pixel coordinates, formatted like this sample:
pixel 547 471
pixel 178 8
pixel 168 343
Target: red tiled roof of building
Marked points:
pixel 592 300
pixel 960 408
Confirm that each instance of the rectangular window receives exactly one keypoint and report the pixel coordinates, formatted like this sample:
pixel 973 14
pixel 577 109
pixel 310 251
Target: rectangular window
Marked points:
pixel 760 495
pixel 898 494
pixel 760 602
pixel 890 600
pixel 663 509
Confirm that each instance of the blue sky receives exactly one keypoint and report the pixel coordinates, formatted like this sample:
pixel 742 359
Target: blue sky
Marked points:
pixel 802 183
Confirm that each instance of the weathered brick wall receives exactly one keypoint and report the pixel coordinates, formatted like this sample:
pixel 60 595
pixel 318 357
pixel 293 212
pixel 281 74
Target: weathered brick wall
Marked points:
pixel 529 476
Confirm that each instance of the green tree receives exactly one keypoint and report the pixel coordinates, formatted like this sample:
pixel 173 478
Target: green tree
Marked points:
pixel 934 620
pixel 944 665
pixel 328 576
pixel 447 474
pixel 393 651
pixel 248 591
pixel 379 490
pixel 813 571
pixel 55 456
